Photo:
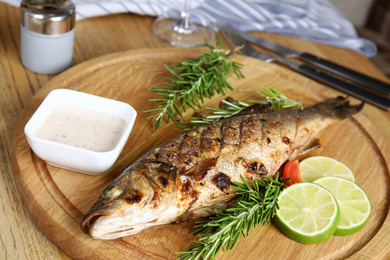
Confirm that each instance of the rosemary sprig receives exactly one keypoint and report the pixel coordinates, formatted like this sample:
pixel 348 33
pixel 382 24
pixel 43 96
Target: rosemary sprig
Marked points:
pixel 255 205
pixel 231 110
pixel 194 80
pixel 277 100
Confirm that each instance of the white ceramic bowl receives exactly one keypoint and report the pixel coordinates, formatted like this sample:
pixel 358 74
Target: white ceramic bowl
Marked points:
pixel 71 157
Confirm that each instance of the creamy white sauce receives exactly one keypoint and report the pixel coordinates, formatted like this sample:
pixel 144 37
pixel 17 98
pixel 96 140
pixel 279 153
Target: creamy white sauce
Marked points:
pixel 84 128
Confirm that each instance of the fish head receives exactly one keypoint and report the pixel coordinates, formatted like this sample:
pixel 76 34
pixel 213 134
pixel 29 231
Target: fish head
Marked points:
pixel 138 199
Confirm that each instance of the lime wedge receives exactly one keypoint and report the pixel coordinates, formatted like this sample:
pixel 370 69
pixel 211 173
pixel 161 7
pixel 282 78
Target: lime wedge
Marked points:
pixel 308 213
pixel 355 206
pixel 313 168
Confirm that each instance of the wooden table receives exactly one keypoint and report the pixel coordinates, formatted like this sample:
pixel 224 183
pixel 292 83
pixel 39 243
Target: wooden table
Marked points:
pixel 20 237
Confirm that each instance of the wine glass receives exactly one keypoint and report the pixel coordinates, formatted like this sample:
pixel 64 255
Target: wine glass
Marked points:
pixel 182 33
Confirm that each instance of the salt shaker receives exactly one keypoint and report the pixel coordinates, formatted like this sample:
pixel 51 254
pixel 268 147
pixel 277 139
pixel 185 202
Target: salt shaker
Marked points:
pixel 47 35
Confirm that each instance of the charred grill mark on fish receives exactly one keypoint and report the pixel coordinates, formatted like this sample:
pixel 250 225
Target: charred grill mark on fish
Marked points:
pixel 211 140
pixel 158 174
pixel 163 181
pixel 250 130
pixel 231 132
pixel 186 188
pixel 222 181
pixel 194 170
pixel 198 172
pixel 168 157
pixel 249 167
pixel 262 170
pixel 190 195
pixel 254 167
pixel 134 197
pixel 168 153
pixel 212 131
pixel 189 150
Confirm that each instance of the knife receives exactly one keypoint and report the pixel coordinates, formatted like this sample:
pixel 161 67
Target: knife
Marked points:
pixel 369 82
pixel 360 93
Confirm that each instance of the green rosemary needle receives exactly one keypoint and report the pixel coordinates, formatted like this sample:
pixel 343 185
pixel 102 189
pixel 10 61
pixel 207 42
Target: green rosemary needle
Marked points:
pixel 194 80
pixel 256 204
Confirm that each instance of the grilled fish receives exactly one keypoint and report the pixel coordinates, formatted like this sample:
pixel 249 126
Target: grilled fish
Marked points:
pixel 178 179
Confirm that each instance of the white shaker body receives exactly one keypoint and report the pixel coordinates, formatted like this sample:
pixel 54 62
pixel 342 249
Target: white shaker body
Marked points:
pixel 47 35
pixel 46 54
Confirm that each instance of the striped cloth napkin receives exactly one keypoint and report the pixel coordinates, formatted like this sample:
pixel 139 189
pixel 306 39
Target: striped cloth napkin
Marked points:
pixel 315 20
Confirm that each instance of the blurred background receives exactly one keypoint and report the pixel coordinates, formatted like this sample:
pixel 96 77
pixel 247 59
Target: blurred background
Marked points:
pixel 371 19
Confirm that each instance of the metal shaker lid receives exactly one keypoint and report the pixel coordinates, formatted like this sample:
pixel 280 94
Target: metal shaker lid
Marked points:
pixel 49 17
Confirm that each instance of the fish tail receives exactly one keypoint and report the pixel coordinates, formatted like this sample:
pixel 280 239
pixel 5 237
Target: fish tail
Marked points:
pixel 339 107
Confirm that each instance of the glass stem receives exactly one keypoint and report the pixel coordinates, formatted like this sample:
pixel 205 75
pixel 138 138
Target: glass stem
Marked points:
pixel 184 25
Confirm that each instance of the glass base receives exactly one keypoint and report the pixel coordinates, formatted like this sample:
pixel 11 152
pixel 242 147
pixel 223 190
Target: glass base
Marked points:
pixel 196 36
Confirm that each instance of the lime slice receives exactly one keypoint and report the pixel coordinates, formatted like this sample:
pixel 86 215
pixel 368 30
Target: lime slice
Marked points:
pixel 354 204
pixel 308 213
pixel 313 168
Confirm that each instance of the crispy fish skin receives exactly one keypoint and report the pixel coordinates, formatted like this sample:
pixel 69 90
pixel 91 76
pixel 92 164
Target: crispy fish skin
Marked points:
pixel 178 179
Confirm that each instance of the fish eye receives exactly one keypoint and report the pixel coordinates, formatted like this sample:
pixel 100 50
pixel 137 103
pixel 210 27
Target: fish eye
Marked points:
pixel 113 191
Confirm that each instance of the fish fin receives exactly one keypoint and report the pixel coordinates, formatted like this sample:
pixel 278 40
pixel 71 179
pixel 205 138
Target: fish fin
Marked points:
pixel 195 214
pixel 223 199
pixel 199 170
pixel 314 144
pixel 257 109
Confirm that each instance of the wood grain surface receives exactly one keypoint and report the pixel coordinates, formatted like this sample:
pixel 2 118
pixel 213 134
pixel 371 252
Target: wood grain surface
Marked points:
pixel 20 236
pixel 57 199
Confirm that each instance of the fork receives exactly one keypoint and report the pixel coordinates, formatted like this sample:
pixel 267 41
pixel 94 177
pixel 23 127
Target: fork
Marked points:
pixel 235 38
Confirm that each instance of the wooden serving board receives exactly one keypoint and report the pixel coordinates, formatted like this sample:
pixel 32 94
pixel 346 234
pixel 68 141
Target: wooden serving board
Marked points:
pixel 57 198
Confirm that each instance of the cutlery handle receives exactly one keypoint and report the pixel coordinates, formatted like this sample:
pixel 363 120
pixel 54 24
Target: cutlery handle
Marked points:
pixel 377 85
pixel 346 87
